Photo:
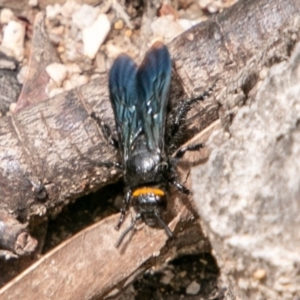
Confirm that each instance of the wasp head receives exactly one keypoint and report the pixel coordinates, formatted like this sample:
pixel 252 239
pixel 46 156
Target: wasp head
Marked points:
pixel 149 203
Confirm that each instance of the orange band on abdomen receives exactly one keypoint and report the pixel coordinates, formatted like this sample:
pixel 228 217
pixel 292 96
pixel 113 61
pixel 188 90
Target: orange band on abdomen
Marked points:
pixel 148 190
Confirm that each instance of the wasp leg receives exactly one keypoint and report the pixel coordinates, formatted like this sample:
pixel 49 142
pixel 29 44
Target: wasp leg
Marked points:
pixel 124 209
pixel 110 164
pixel 180 187
pixel 184 108
pixel 105 130
pixel 183 150
pixel 127 230
pixel 39 189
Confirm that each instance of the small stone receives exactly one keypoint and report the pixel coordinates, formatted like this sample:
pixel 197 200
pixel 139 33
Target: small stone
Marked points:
pixel 187 24
pixel 260 274
pixel 85 16
pixel 61 49
pixel 94 36
pixel 21 77
pixel 12 107
pixel 57 72
pixel 167 9
pixel 52 11
pixel 166 27
pixel 94 76
pixel 75 81
pixel 193 288
pixel 6 15
pixel 182 274
pixel 167 278
pixel 33 3
pixel 68 9
pixel 13 39
pixel 68 85
pixel 128 32
pixel 203 261
pixel 50 86
pixel 55 92
pixel 113 50
pixel 58 30
pixel 81 80
pixel 73 69
pixel 210 6
pixel 100 62
pixel 71 50
pixel 119 25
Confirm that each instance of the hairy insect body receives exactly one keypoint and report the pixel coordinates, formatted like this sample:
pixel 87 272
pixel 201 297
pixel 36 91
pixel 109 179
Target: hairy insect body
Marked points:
pixel 139 97
pixel 146 179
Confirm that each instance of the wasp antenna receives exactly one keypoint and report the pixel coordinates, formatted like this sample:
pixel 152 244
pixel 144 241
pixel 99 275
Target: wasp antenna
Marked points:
pixel 126 231
pixel 164 225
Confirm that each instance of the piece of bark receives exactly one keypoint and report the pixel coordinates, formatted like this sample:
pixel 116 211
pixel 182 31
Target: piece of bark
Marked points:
pixel 9 86
pixel 13 236
pixel 248 193
pixel 10 89
pixel 42 54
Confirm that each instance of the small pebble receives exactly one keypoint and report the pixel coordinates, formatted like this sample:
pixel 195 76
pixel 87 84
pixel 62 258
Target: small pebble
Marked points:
pixel 187 24
pixel 55 92
pixel 259 274
pixel 68 85
pixel 119 25
pixel 73 68
pixel 58 30
pixel 94 36
pixel 85 16
pixel 12 107
pixel 50 86
pixel 52 11
pixel 94 76
pixel 68 9
pixel 166 27
pixel 79 80
pixel 33 3
pixel 6 15
pixel 75 81
pixel 128 32
pixel 167 278
pixel 167 9
pixel 13 39
pixel 61 49
pixel 71 50
pixel 100 62
pixel 21 77
pixel 193 288
pixel 57 72
pixel 182 274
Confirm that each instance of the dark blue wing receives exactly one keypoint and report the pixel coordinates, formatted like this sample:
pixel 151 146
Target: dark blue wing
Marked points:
pixel 153 82
pixel 123 95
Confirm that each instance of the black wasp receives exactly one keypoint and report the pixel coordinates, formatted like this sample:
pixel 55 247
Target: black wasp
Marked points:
pixel 139 97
